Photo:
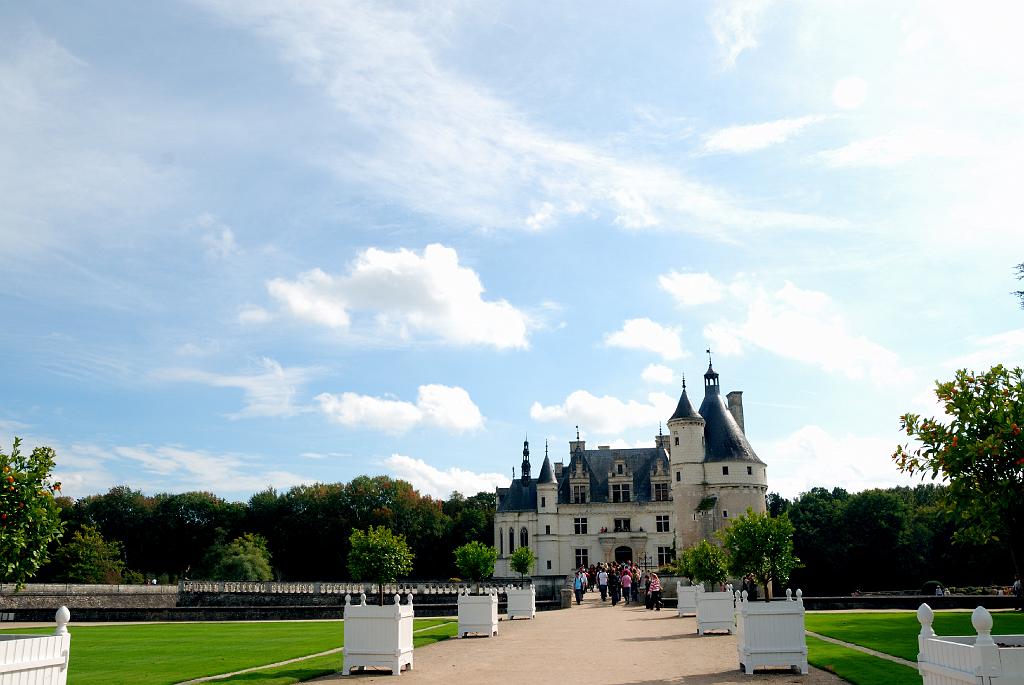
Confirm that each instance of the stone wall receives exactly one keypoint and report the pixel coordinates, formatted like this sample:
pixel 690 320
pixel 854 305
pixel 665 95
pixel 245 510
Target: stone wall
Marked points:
pixel 47 595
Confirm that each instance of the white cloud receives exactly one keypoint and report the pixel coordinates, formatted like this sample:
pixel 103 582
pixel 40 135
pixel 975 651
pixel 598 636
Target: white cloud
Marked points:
pixel 620 444
pixel 812 457
pixel 898 148
pixel 251 314
pixel 656 373
pixel 806 326
pixel 735 24
pixel 446 146
pixel 756 136
pixel 270 392
pixel 850 92
pixel 644 334
pixel 439 483
pixel 1005 348
pixel 606 415
pixel 408 294
pixel 443 406
pixel 691 289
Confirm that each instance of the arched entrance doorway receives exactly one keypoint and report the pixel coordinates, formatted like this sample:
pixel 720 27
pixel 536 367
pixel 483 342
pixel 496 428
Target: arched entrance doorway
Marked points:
pixel 623 554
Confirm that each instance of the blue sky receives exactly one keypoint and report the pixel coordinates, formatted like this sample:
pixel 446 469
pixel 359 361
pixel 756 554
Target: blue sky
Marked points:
pixel 258 243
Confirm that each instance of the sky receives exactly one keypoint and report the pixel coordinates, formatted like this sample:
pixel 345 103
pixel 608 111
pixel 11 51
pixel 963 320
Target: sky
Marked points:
pixel 251 244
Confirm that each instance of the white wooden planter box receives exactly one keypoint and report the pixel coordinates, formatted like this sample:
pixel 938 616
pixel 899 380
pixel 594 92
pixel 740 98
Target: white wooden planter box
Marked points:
pixel 37 659
pixel 478 614
pixel 687 599
pixel 522 602
pixel 771 633
pixel 977 660
pixel 714 611
pixel 378 635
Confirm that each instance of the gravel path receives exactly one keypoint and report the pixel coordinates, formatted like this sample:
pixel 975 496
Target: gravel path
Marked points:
pixel 591 644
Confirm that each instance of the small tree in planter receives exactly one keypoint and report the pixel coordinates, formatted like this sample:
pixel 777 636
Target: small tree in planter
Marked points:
pixel 686 595
pixel 522 601
pixel 708 564
pixel 521 561
pixel 767 633
pixel 762 546
pixel 380 556
pixel 477 613
pixel 29 515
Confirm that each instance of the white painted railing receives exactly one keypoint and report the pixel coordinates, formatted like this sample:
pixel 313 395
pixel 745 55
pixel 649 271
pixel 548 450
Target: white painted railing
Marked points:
pixel 686 596
pixel 478 614
pixel 37 659
pixel 962 660
pixel 715 610
pixel 771 633
pixel 522 602
pixel 378 635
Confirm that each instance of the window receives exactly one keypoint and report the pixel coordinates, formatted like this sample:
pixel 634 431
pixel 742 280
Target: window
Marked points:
pixel 664 556
pixel 579 494
pixel 501 545
pixel 661 492
pixel 661 523
pixel 582 558
pixel 511 541
pixel 725 513
pixel 620 492
pixel 679 476
pixel 750 470
pixel 549 564
pixel 618 469
pixel 524 538
pixel 544 500
pixel 621 525
pixel 580 525
pixel 725 470
pixel 677 440
pixel 547 530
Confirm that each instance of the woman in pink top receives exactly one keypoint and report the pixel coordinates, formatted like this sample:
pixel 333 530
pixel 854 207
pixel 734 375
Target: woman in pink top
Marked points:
pixel 654 587
pixel 627 583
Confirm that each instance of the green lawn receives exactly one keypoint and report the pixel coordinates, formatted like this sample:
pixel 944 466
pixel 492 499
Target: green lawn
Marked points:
pixel 857 667
pixel 896 633
pixel 166 653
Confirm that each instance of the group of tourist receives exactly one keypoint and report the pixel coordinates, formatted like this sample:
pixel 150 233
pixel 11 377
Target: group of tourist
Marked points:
pixel 620 582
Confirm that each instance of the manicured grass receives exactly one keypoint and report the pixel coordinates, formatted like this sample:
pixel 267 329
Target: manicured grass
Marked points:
pixel 167 653
pixel 896 633
pixel 857 667
pixel 308 669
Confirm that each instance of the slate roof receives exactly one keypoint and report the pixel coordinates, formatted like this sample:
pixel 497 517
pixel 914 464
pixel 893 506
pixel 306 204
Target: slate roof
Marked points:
pixel 547 474
pixel 639 462
pixel 723 438
pixel 519 497
pixel 684 410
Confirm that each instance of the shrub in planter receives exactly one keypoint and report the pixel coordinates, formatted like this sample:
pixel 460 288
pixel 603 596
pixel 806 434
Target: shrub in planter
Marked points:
pixel 708 565
pixel 522 602
pixel 477 613
pixel 380 556
pixel 686 595
pixel 761 546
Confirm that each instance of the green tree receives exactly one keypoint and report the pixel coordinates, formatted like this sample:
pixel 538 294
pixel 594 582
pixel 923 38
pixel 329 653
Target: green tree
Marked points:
pixel 684 563
pixel 521 561
pixel 708 564
pixel 378 555
pixel 761 545
pixel 979 452
pixel 88 558
pixel 475 560
pixel 1020 277
pixel 244 558
pixel 29 516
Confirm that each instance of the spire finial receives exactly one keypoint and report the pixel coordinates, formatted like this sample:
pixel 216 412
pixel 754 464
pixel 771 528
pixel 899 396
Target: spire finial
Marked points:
pixel 545 448
pixel 577 431
pixel 709 357
pixel 684 381
pixel 659 429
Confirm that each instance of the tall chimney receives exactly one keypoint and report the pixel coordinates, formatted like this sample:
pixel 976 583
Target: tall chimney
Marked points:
pixel 735 399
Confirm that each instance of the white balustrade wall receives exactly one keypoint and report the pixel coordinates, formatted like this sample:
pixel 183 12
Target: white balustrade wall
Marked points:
pixel 423 588
pixel 963 660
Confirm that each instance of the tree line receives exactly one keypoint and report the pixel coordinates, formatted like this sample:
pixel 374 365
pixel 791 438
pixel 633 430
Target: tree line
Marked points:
pixel 301 534
pixel 886 539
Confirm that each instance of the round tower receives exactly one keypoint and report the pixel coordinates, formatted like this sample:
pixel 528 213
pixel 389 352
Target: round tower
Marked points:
pixel 686 464
pixel 547 519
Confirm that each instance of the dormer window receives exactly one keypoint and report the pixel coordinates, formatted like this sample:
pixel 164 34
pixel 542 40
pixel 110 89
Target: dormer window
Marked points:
pixel 579 494
pixel 620 492
pixel 619 469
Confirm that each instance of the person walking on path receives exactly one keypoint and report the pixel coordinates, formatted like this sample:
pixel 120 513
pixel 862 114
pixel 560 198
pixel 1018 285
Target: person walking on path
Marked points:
pixel 580 585
pixel 635 573
pixel 1018 593
pixel 614 585
pixel 627 585
pixel 602 583
pixel 654 590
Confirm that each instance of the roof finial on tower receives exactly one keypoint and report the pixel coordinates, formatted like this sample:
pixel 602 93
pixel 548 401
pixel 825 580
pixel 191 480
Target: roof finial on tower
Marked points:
pixel 709 357
pixel 684 381
pixel 577 431
pixel 545 448
pixel 659 429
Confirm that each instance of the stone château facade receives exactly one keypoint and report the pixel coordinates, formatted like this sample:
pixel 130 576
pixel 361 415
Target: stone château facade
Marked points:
pixel 637 504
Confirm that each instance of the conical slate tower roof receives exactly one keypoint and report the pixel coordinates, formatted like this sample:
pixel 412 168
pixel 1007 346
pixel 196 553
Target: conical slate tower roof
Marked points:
pixel 684 410
pixel 723 438
pixel 547 474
